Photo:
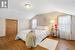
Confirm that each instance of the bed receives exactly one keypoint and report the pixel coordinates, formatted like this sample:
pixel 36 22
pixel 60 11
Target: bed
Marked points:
pixel 40 34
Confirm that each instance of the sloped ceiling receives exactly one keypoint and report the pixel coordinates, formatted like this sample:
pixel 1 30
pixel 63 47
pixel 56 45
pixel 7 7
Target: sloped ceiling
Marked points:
pixel 42 6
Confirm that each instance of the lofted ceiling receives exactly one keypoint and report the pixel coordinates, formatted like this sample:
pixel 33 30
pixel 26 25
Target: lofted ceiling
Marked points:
pixel 42 6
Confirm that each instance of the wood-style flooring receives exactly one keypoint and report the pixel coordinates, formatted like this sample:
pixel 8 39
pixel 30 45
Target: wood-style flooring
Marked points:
pixel 8 43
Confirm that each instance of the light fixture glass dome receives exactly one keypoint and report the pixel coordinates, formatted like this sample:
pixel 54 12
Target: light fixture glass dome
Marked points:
pixel 28 6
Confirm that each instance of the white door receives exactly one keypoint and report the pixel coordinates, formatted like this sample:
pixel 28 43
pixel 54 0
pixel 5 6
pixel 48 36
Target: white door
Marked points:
pixel 34 23
pixel 64 26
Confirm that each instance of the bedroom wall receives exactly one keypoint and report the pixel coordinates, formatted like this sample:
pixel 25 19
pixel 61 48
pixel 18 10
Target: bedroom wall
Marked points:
pixel 73 28
pixel 22 25
pixel 2 27
pixel 16 11
pixel 43 19
pixel 13 14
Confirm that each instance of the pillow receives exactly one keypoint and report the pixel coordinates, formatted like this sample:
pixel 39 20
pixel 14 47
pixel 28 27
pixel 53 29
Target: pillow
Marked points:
pixel 42 27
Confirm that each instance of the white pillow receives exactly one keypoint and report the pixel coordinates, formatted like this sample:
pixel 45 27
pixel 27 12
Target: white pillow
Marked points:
pixel 42 27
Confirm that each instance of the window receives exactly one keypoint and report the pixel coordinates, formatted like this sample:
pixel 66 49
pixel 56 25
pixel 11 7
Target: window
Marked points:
pixel 34 23
pixel 3 3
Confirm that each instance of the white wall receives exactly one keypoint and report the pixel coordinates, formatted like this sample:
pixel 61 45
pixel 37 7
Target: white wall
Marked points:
pixel 15 11
pixel 13 14
pixel 23 24
pixel 73 27
pixel 2 27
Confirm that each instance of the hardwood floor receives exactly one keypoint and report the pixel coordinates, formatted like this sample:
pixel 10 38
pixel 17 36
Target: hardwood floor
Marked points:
pixel 64 44
pixel 6 43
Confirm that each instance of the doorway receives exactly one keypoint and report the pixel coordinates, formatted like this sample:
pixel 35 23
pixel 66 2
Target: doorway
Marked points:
pixel 11 28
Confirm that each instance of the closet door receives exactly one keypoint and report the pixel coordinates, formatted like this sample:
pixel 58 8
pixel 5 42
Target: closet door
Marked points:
pixel 64 26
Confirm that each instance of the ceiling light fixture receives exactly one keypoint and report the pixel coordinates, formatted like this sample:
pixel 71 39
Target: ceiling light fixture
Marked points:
pixel 28 4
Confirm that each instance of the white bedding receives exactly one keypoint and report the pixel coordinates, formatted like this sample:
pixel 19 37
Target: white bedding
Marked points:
pixel 40 35
pixel 22 35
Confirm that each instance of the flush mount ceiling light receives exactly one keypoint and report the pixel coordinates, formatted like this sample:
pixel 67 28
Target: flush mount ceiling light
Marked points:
pixel 28 4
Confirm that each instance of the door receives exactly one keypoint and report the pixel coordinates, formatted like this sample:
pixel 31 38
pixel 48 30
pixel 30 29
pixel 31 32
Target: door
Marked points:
pixel 11 28
pixel 64 26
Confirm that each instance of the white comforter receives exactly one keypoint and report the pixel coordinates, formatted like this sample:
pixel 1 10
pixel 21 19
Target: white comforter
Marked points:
pixel 40 35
